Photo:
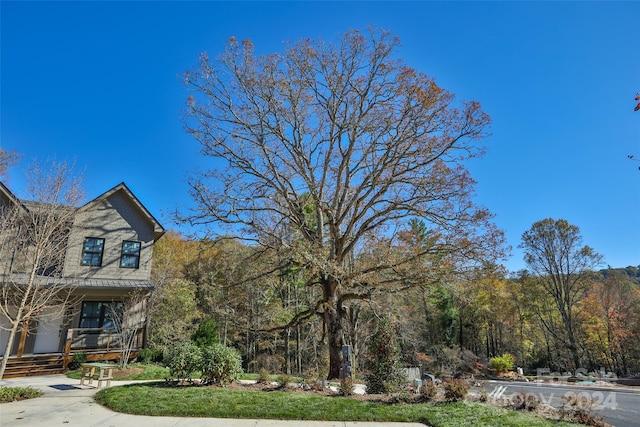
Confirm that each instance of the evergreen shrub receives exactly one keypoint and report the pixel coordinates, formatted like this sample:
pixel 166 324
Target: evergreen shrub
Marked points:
pixel 220 364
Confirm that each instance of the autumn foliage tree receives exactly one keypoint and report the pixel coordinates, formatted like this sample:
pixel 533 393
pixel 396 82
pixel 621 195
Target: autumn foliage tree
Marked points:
pixel 611 316
pixel 323 153
pixel 564 268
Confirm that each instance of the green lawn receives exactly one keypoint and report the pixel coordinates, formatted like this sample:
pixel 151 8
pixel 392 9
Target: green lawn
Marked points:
pixel 160 400
pixel 135 372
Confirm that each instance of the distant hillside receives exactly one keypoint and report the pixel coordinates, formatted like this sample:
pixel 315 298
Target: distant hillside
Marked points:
pixel 632 272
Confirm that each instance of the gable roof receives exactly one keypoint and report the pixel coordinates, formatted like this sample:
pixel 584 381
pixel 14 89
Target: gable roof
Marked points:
pixel 11 197
pixel 158 229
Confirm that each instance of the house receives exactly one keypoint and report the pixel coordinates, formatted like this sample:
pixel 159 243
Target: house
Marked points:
pixel 105 258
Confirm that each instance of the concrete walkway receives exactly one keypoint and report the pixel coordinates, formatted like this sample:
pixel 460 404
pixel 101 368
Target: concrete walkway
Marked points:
pixel 66 403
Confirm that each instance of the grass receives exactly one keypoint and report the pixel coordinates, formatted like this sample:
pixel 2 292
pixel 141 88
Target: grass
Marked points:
pixel 134 372
pixel 160 400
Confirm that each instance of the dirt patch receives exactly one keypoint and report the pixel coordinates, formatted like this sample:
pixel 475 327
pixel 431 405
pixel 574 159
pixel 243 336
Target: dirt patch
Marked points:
pixel 122 373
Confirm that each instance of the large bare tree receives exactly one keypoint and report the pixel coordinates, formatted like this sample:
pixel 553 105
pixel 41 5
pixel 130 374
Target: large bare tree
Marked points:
pixel 33 239
pixel 554 252
pixel 324 153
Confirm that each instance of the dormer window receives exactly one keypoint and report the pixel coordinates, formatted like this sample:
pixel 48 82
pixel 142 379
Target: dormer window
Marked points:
pixel 130 257
pixel 92 252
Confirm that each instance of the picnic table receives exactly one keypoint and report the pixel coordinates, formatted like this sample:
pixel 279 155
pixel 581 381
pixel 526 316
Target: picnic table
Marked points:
pixel 105 373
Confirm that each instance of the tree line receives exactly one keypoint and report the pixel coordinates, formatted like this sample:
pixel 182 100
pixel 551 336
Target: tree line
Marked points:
pixel 446 327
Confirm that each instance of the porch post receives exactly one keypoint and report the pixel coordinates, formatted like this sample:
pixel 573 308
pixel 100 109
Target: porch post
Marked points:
pixel 66 357
pixel 23 336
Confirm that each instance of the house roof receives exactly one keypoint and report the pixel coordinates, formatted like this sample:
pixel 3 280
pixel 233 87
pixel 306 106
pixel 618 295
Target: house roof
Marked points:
pixel 158 229
pixel 79 282
pixel 10 196
pixel 112 284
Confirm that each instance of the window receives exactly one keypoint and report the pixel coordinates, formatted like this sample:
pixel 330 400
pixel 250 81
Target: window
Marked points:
pixel 99 314
pixel 92 252
pixel 130 257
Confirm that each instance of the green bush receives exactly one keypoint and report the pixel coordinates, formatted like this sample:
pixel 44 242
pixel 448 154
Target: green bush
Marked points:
pixel 455 390
pixel 383 371
pixel 145 355
pixel 220 364
pixel 284 380
pixel 206 334
pixel 263 377
pixel 150 355
pixel 502 363
pixel 183 360
pixel 78 360
pixel 10 394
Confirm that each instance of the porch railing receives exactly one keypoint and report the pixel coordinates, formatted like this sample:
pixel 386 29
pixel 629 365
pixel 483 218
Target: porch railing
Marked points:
pixel 96 340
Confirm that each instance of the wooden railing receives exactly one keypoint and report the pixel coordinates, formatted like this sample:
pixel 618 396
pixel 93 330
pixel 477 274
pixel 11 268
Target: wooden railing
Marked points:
pixel 96 341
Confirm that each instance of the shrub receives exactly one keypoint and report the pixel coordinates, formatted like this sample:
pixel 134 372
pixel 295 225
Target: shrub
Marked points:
pixel 10 394
pixel 455 390
pixel 502 363
pixel 220 364
pixel 523 401
pixel 183 360
pixel 581 409
pixel 78 360
pixel 383 370
pixel 283 380
pixel 206 334
pixel 428 389
pixel 346 386
pixel 145 355
pixel 264 377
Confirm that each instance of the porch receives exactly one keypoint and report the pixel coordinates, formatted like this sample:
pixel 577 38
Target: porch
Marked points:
pixel 99 344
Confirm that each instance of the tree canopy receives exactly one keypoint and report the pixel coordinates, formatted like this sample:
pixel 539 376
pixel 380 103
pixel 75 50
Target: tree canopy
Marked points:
pixel 325 153
pixel 564 268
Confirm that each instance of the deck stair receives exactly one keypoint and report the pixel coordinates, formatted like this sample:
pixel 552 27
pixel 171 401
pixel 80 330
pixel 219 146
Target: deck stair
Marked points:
pixel 30 365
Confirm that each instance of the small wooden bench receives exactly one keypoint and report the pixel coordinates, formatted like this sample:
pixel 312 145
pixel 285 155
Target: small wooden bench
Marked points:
pixel 89 372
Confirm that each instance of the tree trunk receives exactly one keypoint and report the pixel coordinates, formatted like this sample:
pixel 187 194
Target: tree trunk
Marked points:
pixel 287 351
pixel 573 344
pixel 333 320
pixel 333 324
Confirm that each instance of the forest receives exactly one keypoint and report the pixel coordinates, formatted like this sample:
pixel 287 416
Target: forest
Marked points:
pixel 448 327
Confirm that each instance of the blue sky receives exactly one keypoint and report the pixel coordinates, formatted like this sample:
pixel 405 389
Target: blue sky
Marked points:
pixel 98 82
